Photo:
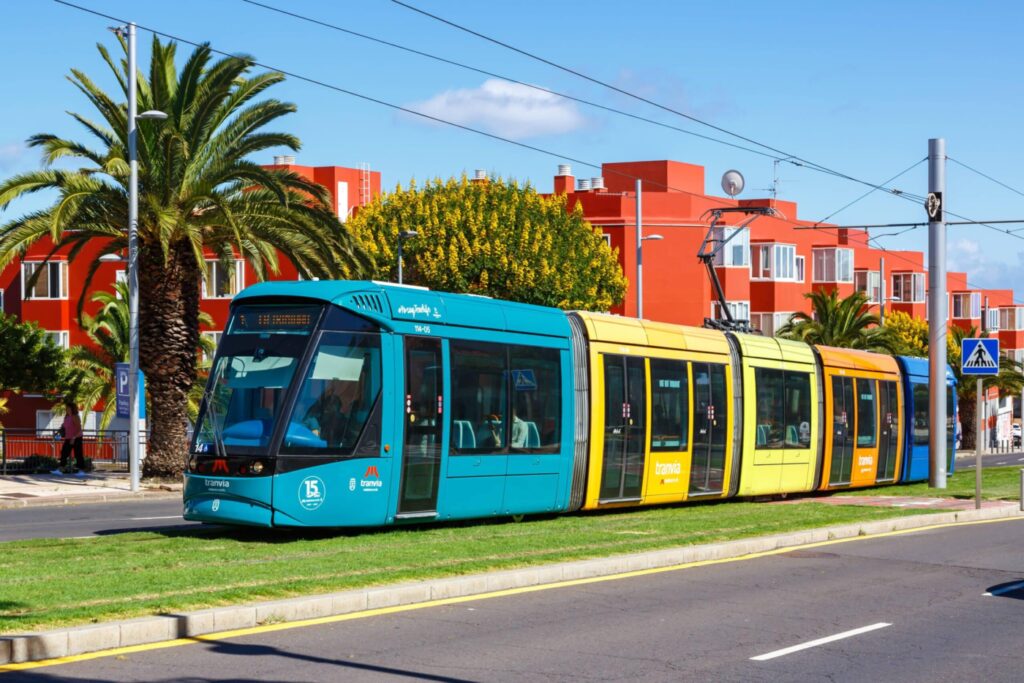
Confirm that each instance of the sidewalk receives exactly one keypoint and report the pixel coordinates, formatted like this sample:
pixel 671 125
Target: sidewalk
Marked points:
pixel 22 490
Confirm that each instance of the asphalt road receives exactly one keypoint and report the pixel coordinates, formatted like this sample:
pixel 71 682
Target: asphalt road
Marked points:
pixel 907 607
pixel 90 519
pixel 991 460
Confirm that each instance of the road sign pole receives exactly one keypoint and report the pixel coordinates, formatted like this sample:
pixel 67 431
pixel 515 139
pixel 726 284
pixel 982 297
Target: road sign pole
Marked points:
pixel 977 453
pixel 937 319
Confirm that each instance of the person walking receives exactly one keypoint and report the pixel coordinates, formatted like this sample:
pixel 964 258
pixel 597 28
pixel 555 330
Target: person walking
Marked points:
pixel 72 432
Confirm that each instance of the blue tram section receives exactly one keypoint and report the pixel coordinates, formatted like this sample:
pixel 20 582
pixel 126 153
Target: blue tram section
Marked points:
pixel 365 404
pixel 917 418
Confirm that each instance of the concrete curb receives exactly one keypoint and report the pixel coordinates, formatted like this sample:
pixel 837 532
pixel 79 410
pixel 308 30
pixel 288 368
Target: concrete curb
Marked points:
pixel 93 638
pixel 83 498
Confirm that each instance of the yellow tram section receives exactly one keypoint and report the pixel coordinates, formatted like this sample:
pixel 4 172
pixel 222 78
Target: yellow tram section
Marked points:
pixel 781 430
pixel 863 419
pixel 661 413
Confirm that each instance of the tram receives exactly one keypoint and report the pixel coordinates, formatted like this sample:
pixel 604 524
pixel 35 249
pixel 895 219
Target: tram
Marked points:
pixel 343 404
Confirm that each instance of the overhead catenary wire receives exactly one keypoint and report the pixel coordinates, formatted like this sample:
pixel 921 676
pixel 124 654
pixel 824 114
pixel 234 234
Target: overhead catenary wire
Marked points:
pixel 508 79
pixel 984 175
pixel 874 189
pixel 786 156
pixel 413 112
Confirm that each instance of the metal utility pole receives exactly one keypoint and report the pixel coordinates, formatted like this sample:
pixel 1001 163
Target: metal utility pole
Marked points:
pixel 980 416
pixel 881 290
pixel 133 269
pixel 639 252
pixel 937 314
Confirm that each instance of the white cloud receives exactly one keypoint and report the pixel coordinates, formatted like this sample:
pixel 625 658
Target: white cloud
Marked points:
pixel 982 270
pixel 11 155
pixel 506 109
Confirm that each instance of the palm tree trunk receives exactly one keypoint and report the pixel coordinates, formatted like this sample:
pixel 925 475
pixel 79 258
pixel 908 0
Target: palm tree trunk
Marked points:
pixel 168 333
pixel 968 417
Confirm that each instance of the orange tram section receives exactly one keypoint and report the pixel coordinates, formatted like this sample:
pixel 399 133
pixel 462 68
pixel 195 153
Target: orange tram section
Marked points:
pixel 679 413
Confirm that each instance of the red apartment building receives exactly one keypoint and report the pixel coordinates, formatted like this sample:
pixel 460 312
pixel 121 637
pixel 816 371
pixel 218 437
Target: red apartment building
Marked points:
pixel 765 270
pixel 53 301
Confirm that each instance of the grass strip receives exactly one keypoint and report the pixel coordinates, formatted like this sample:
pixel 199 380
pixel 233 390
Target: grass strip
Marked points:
pixel 50 583
pixel 997 483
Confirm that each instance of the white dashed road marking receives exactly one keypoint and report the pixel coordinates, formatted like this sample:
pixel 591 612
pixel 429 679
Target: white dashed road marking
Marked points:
pixel 819 641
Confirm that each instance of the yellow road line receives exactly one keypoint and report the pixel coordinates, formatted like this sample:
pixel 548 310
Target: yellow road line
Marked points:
pixel 380 611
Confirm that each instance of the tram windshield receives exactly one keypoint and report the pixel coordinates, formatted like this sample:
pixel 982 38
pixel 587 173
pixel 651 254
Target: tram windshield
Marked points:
pixel 256 362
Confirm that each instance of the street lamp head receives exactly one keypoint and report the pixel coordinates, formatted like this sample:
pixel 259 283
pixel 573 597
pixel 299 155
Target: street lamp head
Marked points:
pixel 152 115
pixel 406 234
pixel 652 237
pixel 111 258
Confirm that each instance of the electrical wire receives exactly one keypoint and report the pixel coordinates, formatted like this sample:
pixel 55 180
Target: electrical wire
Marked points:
pixel 872 190
pixel 507 79
pixel 983 175
pixel 790 158
pixel 413 112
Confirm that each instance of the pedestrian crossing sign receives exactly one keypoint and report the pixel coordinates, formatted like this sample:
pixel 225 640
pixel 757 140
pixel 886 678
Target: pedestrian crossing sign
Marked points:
pixel 979 356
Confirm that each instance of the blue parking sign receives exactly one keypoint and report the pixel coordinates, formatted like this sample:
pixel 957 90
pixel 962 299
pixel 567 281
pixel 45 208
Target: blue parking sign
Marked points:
pixel 121 374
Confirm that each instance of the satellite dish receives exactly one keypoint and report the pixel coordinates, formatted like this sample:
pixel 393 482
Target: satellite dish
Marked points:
pixel 732 183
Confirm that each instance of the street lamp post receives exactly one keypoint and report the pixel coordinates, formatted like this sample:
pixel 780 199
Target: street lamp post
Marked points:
pixel 402 236
pixel 640 272
pixel 133 257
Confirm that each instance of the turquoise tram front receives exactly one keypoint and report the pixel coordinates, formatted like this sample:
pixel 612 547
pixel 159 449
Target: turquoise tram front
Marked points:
pixel 364 404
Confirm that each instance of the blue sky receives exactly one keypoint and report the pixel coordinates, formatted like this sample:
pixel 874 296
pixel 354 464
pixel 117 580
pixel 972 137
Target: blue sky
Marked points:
pixel 858 87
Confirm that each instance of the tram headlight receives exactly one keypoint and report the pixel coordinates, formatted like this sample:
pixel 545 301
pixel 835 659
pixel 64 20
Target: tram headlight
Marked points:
pixel 257 467
pixel 192 464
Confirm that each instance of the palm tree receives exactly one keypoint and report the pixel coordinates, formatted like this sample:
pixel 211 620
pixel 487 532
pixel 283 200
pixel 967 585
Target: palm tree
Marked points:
pixel 838 322
pixel 198 193
pixel 91 379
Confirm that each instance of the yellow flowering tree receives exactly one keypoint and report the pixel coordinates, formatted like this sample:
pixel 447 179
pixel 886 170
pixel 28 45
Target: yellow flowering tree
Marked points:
pixel 494 238
pixel 909 334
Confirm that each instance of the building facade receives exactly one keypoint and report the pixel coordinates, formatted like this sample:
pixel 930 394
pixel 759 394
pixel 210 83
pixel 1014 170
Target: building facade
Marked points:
pixel 54 299
pixel 766 269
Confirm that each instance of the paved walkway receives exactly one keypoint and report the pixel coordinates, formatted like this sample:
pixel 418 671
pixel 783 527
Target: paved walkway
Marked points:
pixel 46 489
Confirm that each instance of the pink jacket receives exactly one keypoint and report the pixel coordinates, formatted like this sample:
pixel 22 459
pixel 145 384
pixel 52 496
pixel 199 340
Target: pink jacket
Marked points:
pixel 72 427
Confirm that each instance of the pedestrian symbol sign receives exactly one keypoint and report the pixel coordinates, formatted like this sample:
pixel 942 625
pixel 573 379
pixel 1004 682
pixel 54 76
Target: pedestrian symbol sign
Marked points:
pixel 979 356
pixel 524 380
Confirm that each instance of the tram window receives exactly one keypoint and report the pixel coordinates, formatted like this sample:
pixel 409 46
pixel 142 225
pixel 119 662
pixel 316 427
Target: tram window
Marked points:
pixel 670 405
pixel 770 408
pixel 921 427
pixel 536 399
pixel 479 397
pixel 341 386
pixel 798 410
pixel 866 412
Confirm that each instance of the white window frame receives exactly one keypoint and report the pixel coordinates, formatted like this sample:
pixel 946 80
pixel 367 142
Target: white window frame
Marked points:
pixel 966 305
pixel 900 286
pixel 607 240
pixel 801 269
pixel 30 267
pixel 869 282
pixel 62 337
pixel 769 323
pixel 740 310
pixel 216 335
pixel 738 246
pixel 992 319
pixel 212 268
pixel 836 262
pixel 780 260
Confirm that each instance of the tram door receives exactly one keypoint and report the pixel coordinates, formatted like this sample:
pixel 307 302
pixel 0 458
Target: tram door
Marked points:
pixel 625 427
pixel 424 418
pixel 710 412
pixel 888 408
pixel 843 407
